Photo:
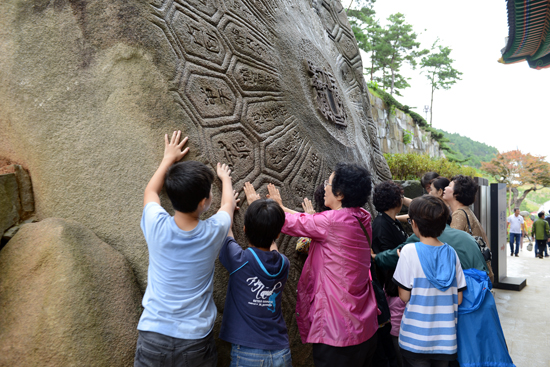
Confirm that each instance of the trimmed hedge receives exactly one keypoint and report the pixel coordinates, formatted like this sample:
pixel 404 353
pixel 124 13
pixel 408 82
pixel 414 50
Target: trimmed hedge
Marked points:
pixel 412 166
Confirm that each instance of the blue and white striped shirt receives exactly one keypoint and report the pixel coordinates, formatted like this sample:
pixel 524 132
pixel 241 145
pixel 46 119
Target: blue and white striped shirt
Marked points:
pixel 428 325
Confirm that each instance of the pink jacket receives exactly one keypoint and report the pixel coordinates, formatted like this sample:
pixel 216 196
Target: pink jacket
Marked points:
pixel 335 302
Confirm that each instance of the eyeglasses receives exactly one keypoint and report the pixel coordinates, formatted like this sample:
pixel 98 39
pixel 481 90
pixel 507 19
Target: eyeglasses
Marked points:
pixel 326 183
pixel 410 221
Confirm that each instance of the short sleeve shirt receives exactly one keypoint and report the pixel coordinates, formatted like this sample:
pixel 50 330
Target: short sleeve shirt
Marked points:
pixel 252 314
pixel 178 299
pixel 428 308
pixel 515 223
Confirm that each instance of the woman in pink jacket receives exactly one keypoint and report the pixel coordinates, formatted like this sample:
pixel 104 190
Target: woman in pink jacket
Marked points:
pixel 336 307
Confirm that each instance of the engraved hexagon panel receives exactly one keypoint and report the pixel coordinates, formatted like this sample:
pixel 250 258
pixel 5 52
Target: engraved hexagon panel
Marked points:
pixel 327 19
pixel 308 175
pixel 247 43
pixel 348 47
pixel 212 98
pixel 263 116
pixel 200 41
pixel 283 152
pixel 238 149
pixel 210 9
pixel 251 78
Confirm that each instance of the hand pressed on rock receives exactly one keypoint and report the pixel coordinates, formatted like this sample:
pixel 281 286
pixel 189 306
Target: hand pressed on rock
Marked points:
pixel 308 206
pixel 250 193
pixel 274 194
pixel 172 147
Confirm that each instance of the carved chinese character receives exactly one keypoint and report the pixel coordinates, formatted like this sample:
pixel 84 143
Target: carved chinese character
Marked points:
pixel 210 98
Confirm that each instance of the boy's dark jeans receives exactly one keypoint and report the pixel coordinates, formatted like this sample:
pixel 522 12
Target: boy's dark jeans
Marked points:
pixel 154 349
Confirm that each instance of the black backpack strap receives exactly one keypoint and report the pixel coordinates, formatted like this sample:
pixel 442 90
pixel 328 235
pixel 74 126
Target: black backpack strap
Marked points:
pixel 468 219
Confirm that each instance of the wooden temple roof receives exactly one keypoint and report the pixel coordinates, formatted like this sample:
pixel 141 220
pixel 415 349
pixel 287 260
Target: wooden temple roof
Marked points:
pixel 528 33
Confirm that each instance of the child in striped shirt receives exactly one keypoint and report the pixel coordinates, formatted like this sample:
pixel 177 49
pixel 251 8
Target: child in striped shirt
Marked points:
pixel 431 282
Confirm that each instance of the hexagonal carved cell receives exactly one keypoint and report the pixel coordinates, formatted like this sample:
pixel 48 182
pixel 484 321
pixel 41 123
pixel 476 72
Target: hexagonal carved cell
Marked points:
pixel 199 39
pixel 251 78
pixel 235 149
pixel 211 96
pixel 208 7
pixel 264 116
pixel 246 43
pixel 281 152
pixel 303 183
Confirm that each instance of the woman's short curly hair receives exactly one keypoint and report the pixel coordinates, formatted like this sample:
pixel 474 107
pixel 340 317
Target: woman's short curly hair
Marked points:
pixel 353 181
pixel 387 195
pixel 465 189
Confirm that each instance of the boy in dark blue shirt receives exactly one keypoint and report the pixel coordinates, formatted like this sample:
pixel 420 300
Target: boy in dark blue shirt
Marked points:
pixel 252 318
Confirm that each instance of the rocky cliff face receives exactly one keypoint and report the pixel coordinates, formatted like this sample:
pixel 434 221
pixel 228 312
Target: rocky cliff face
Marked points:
pixel 394 124
pixel 273 88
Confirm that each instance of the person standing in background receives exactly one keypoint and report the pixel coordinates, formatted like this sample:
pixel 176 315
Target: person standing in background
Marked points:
pixel 516 225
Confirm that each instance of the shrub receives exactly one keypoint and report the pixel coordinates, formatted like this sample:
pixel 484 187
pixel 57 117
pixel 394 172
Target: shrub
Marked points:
pixel 412 166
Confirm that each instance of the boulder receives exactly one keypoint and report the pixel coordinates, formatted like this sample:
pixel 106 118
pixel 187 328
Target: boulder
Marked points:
pixel 66 299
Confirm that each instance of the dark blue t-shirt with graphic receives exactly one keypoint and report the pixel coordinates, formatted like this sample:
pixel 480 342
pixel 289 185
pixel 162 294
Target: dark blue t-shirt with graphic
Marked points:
pixel 252 315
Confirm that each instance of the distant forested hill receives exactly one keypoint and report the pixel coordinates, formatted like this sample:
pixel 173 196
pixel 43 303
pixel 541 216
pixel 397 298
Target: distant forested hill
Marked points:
pixel 471 152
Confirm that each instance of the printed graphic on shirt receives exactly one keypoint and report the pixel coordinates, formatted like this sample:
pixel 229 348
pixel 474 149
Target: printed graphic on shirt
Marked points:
pixel 263 296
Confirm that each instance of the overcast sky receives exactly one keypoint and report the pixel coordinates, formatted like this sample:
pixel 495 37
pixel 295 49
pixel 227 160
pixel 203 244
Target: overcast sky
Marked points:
pixel 504 106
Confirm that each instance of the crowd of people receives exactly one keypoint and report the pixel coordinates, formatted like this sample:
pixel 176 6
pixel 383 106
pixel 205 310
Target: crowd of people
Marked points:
pixel 435 282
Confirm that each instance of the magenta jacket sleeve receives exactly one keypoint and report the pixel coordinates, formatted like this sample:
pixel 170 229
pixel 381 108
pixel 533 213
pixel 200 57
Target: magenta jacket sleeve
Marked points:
pixel 314 226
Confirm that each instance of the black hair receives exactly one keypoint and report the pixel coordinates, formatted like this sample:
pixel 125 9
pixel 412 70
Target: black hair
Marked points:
pixel 353 182
pixel 441 183
pixel 541 215
pixel 263 222
pixel 430 214
pixel 187 183
pixel 387 195
pixel 428 178
pixel 465 189
pixel 319 199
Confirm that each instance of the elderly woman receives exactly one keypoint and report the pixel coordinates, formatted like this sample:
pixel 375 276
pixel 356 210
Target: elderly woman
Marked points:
pixel 336 306
pixel 459 195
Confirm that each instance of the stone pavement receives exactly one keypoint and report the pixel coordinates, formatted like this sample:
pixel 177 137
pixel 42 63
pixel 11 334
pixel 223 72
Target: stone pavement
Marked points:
pixel 524 315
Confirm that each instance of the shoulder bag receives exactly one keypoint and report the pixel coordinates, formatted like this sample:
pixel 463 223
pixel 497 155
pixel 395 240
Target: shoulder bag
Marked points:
pixel 379 293
pixel 485 251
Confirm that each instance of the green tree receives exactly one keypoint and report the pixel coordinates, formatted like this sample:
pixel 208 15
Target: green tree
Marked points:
pixel 368 32
pixel 402 47
pixel 439 70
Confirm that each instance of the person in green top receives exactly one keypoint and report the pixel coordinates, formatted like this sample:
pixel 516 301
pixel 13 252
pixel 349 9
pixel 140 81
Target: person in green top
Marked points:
pixel 540 231
pixel 465 246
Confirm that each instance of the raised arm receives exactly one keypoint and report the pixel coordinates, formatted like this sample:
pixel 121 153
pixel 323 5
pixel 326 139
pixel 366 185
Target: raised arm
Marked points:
pixel 276 195
pixel 228 201
pixel 172 154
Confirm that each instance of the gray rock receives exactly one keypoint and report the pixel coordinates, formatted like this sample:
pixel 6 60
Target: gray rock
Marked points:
pixel 66 299
pixel 25 190
pixel 9 202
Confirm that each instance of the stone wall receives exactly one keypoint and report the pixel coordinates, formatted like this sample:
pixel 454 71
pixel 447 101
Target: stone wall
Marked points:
pixel 391 129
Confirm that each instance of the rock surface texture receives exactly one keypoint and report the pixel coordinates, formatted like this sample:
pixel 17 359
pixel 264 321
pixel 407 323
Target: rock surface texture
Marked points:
pixel 273 88
pixel 66 299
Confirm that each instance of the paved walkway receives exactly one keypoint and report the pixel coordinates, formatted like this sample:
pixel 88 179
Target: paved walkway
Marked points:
pixel 524 315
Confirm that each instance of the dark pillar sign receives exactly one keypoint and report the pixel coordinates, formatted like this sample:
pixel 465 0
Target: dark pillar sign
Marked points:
pixel 499 244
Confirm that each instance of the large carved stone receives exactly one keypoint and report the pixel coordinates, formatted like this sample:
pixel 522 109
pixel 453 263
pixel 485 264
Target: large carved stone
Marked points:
pixel 89 88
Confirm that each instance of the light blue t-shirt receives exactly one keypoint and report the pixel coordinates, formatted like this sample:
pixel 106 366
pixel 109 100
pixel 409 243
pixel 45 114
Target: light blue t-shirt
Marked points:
pixel 178 300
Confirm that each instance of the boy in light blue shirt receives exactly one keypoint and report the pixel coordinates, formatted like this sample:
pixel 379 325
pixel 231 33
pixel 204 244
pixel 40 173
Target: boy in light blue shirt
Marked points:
pixel 175 328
